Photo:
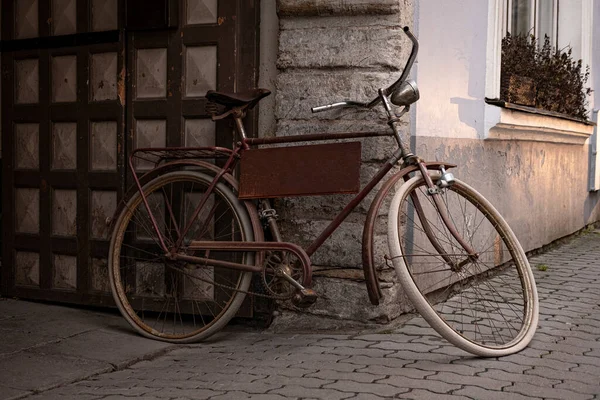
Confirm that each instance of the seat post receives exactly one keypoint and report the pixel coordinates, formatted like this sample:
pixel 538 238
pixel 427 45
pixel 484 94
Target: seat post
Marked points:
pixel 238 115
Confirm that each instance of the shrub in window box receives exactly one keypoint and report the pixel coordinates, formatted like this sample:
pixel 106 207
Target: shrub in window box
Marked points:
pixel 554 80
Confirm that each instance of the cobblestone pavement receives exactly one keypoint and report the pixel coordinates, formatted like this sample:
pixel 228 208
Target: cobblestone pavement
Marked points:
pixel 562 362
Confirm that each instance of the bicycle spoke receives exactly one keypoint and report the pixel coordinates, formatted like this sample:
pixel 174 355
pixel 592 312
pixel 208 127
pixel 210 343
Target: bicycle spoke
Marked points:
pixel 481 298
pixel 170 299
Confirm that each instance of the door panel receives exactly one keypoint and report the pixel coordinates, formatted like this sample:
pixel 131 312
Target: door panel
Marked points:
pixel 79 92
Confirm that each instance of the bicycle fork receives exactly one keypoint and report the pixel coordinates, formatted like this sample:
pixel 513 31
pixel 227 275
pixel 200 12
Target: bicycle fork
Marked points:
pixel 446 180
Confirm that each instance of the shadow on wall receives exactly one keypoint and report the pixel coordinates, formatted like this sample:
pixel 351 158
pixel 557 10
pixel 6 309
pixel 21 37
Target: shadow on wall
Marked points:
pixel 467 110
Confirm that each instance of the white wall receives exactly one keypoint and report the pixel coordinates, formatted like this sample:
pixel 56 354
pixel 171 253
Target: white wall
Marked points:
pixel 451 67
pixel 595 73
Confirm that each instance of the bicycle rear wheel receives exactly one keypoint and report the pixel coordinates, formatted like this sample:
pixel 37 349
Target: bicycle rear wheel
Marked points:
pixel 175 301
pixel 487 306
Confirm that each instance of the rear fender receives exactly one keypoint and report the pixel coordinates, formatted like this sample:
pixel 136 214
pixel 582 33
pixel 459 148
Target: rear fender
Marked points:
pixel 205 167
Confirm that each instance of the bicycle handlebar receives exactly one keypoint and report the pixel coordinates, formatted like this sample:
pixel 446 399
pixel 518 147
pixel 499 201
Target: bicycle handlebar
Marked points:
pixel 387 91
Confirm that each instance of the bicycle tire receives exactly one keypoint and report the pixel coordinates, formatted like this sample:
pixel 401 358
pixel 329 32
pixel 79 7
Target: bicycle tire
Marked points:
pixel 140 275
pixel 463 304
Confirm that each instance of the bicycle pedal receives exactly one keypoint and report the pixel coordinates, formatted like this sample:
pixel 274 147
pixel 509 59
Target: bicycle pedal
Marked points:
pixel 305 298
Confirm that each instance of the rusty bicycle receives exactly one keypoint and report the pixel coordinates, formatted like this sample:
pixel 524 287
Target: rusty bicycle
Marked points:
pixel 188 240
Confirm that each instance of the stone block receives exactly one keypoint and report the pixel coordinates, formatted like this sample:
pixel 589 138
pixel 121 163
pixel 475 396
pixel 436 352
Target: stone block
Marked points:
pixel 298 91
pixel 336 7
pixel 389 21
pixel 346 47
pixel 373 148
pixel 347 300
pixel 342 249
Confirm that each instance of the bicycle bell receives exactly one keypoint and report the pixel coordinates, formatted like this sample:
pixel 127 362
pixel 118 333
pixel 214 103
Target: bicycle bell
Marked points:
pixel 406 94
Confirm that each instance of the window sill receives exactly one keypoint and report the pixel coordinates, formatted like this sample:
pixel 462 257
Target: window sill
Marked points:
pixel 530 124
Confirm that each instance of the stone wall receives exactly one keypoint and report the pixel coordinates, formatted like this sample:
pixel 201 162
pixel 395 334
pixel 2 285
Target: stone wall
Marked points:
pixel 333 50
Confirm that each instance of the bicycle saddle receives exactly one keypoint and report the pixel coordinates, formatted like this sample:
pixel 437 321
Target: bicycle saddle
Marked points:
pixel 248 98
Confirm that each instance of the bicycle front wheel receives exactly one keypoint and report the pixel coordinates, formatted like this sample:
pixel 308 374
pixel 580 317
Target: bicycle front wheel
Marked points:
pixel 175 301
pixel 486 305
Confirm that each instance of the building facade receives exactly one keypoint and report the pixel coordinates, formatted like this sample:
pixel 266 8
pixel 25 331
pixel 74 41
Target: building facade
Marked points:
pixel 85 82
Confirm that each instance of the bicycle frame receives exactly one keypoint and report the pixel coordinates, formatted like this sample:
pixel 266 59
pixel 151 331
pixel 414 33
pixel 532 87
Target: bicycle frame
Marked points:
pixel 411 164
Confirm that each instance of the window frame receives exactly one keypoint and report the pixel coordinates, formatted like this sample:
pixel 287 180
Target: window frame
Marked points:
pixel 497 29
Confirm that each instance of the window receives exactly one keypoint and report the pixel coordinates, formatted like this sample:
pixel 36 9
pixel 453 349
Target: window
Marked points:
pixel 568 23
pixel 536 17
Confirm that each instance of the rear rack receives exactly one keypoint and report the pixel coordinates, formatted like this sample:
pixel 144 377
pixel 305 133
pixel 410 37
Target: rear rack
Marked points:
pixel 148 158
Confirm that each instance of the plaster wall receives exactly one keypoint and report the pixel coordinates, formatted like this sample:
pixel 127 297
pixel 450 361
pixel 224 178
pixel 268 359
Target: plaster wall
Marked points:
pixel 595 73
pixel 539 188
pixel 451 68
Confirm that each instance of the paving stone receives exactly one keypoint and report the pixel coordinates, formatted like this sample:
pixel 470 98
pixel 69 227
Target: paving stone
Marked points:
pixel 486 383
pixel 325 366
pixel 301 392
pixel 360 344
pixel 249 387
pixel 55 395
pixel 427 384
pixel 589 375
pixel 450 350
pixel 7 392
pixel 353 351
pixel 474 392
pixel 295 371
pixel 537 361
pixel 311 382
pixel 380 337
pixel 355 376
pixel 161 383
pixel 586 368
pixel 138 391
pixel 579 387
pixel 299 357
pixel 172 393
pixel 464 369
pixel 242 395
pixel 412 346
pixel 33 371
pixel 223 377
pixel 363 361
pixel 413 356
pixel 391 371
pixel 421 394
pixel 483 364
pixel 574 359
pixel 524 377
pixel 379 389
pixel 545 392
pixel 560 346
pixel 413 330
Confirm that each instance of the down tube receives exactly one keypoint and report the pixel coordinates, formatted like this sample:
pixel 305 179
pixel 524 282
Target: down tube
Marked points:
pixel 350 207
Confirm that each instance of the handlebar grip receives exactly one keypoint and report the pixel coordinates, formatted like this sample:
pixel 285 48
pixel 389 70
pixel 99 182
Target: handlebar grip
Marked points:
pixel 342 104
pixel 321 108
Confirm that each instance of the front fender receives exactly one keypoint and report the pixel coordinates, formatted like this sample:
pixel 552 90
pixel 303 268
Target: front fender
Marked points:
pixel 371 278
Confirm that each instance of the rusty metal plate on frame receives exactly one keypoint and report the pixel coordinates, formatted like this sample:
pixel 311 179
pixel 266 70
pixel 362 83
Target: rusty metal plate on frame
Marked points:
pixel 300 170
